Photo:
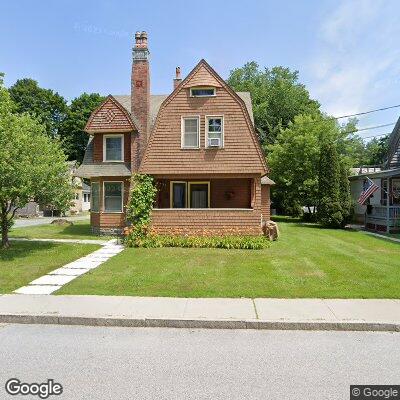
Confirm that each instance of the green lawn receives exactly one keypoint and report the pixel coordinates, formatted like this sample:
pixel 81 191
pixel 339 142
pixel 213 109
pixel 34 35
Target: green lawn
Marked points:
pixel 79 230
pixel 26 261
pixel 307 261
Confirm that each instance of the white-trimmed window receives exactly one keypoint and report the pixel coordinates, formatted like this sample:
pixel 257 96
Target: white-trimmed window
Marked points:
pixel 113 148
pixel 113 196
pixel 95 198
pixel 214 131
pixel 190 133
pixel 202 92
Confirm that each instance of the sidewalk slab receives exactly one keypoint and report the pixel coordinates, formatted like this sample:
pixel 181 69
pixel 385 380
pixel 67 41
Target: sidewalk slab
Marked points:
pixel 379 310
pixel 293 310
pixel 220 309
pixel 208 313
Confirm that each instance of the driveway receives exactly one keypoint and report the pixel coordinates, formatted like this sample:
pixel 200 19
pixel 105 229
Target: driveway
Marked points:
pixel 21 222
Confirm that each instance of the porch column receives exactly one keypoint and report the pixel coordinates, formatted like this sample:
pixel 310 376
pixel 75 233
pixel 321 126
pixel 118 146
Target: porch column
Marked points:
pixel 388 206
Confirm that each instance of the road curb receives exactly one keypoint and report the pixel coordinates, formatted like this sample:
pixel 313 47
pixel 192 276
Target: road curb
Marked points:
pixel 201 323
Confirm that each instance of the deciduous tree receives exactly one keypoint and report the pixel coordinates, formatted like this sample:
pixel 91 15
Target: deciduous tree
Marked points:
pixel 277 97
pixel 47 105
pixel 71 130
pixel 32 165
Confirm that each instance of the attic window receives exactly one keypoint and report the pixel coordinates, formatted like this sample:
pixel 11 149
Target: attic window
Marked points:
pixel 202 92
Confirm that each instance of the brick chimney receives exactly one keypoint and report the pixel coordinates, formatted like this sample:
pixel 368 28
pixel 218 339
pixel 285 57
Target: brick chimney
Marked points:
pixel 140 95
pixel 178 78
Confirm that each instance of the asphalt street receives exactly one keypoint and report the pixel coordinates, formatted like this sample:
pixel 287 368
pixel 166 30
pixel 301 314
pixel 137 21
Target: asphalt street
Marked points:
pixel 23 222
pixel 160 363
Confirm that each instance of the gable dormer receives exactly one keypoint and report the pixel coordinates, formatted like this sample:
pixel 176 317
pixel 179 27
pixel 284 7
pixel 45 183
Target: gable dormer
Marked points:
pixel 111 127
pixel 203 127
pixel 110 116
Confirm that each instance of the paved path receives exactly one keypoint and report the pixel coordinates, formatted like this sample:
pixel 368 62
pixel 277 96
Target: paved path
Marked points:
pixel 22 222
pixel 199 312
pixel 142 363
pixel 54 280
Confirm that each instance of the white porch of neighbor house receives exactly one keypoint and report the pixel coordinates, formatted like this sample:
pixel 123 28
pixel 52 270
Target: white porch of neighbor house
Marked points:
pixel 382 210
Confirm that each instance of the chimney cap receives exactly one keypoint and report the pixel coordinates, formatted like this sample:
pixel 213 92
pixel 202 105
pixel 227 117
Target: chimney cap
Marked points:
pixel 178 73
pixel 141 39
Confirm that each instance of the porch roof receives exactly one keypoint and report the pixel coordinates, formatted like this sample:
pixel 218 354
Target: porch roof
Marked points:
pixel 388 173
pixel 267 181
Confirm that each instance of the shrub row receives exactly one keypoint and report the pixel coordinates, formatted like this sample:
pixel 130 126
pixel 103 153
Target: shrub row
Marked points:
pixel 220 242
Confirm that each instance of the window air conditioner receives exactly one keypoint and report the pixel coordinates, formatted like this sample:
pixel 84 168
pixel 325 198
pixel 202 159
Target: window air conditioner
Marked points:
pixel 214 142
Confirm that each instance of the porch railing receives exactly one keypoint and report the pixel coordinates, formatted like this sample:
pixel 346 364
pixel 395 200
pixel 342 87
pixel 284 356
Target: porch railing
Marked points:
pixel 384 216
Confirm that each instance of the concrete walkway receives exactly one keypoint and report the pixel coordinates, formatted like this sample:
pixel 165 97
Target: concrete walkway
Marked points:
pixel 54 280
pixel 305 314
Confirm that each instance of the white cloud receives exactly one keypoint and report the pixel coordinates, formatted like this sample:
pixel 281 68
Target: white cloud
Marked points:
pixel 358 59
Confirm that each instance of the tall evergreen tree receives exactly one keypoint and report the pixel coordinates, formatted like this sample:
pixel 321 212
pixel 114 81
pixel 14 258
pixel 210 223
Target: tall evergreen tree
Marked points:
pixel 329 212
pixel 344 192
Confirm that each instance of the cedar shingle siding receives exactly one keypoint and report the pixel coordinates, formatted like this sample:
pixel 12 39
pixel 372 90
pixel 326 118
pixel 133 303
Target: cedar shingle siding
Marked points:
pixel 151 126
pixel 240 153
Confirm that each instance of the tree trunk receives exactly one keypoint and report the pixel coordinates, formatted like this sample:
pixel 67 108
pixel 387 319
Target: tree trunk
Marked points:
pixel 4 230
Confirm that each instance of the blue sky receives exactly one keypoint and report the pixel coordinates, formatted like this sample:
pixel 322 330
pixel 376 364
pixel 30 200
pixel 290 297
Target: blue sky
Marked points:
pixel 347 52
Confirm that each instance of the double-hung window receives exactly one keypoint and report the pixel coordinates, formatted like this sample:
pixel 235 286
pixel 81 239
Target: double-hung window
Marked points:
pixel 95 198
pixel 113 195
pixel 214 131
pixel 113 148
pixel 190 133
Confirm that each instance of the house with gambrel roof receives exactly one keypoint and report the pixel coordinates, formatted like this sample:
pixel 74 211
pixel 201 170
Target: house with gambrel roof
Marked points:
pixel 199 144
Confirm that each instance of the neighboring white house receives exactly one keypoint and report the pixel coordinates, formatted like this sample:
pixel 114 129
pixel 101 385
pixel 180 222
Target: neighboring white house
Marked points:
pixel 86 197
pixel 378 213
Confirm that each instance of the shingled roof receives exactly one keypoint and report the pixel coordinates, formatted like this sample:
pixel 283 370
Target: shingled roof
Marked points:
pixel 157 99
pixel 89 169
pixel 393 160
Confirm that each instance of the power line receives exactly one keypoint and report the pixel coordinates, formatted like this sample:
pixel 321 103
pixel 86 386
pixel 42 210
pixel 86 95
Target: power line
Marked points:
pixel 373 136
pixel 372 127
pixel 367 112
pixel 352 115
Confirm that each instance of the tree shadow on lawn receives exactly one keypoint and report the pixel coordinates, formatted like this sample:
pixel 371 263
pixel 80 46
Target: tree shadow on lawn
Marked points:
pixel 285 218
pixel 78 230
pixel 21 249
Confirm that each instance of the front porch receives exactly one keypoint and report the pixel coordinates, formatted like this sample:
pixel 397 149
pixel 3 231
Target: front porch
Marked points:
pixel 209 206
pixel 383 218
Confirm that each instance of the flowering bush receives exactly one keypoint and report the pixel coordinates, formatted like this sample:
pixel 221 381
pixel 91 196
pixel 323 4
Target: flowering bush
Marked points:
pixel 220 242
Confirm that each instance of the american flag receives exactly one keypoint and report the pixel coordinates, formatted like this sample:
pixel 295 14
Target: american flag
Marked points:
pixel 369 188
